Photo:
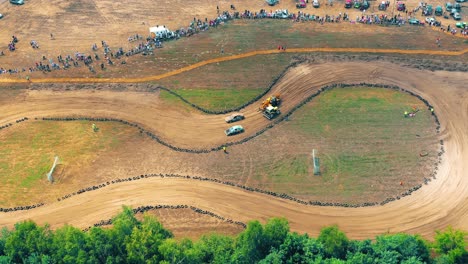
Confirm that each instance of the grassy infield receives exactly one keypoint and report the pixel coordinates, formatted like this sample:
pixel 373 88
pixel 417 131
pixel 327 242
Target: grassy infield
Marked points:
pixel 27 151
pixel 361 133
pixel 362 138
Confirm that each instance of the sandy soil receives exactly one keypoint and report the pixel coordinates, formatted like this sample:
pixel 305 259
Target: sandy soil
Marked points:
pixel 443 202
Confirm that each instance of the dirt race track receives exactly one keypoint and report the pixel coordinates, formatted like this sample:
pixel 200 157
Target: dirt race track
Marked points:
pixel 442 202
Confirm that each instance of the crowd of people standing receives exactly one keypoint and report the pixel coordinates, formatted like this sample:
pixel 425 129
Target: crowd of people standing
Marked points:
pixel 146 45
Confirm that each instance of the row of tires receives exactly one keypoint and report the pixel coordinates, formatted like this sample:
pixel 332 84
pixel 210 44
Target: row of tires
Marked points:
pixel 143 209
pixel 10 124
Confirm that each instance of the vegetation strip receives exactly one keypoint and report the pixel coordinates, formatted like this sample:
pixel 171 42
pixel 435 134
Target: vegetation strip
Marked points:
pixel 131 240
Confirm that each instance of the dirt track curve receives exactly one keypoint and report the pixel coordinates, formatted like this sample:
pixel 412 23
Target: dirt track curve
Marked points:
pixel 443 202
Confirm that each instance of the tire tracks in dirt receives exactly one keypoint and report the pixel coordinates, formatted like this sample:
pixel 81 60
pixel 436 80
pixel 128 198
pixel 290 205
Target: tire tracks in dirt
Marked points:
pixel 435 206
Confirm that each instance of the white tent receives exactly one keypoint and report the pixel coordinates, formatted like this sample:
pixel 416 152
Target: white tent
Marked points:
pixel 161 32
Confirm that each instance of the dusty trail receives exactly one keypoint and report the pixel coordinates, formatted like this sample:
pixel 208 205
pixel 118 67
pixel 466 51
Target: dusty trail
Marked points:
pixel 443 202
pixel 229 58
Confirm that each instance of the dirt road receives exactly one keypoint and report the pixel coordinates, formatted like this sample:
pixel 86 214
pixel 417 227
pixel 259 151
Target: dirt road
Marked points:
pixel 229 58
pixel 443 202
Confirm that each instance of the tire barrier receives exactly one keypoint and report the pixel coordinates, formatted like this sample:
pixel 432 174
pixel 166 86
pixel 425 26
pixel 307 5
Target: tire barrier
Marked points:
pixel 235 109
pixel 143 209
pixel 258 133
pixel 20 208
pixel 271 125
pixel 17 121
pixel 426 64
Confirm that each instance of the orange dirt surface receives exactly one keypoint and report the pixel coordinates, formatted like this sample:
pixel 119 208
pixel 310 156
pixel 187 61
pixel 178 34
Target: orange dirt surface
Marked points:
pixel 441 203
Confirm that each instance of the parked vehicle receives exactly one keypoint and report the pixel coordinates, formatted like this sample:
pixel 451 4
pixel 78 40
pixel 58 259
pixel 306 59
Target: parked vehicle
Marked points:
pixel 432 20
pixel 457 6
pixel 234 130
pixel 234 118
pixel 414 21
pixel 282 13
pixel 348 4
pixel 456 16
pixel 383 6
pixel 461 25
pixel 162 33
pixel 17 2
pixel 365 5
pixel 428 10
pixel 357 4
pixel 448 7
pixel 301 4
pixel 401 6
pixel 316 4
pixel 438 11
pixel 272 2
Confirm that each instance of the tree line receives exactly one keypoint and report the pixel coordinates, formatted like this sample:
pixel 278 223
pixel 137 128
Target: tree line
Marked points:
pixel 147 241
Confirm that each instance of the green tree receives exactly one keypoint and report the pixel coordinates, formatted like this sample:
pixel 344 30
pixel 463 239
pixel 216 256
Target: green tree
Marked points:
pixel 102 246
pixel 335 242
pixel 412 260
pixel 4 233
pixel 249 244
pixel 406 246
pixel 360 258
pixel 5 260
pixel 70 245
pixel 179 252
pixel 38 259
pixel 274 232
pixel 216 249
pixel 360 252
pixel 449 239
pixel 275 257
pixel 388 257
pixel 28 239
pixel 300 249
pixel 142 246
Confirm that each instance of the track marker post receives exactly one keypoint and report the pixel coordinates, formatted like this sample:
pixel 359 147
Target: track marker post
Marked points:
pixel 50 178
pixel 316 162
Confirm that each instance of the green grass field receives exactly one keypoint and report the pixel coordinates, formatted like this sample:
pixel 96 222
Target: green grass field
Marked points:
pixel 365 145
pixel 27 152
pixel 213 99
pixel 252 72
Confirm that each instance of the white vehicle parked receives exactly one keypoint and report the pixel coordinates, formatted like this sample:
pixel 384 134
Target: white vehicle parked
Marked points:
pixel 316 4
